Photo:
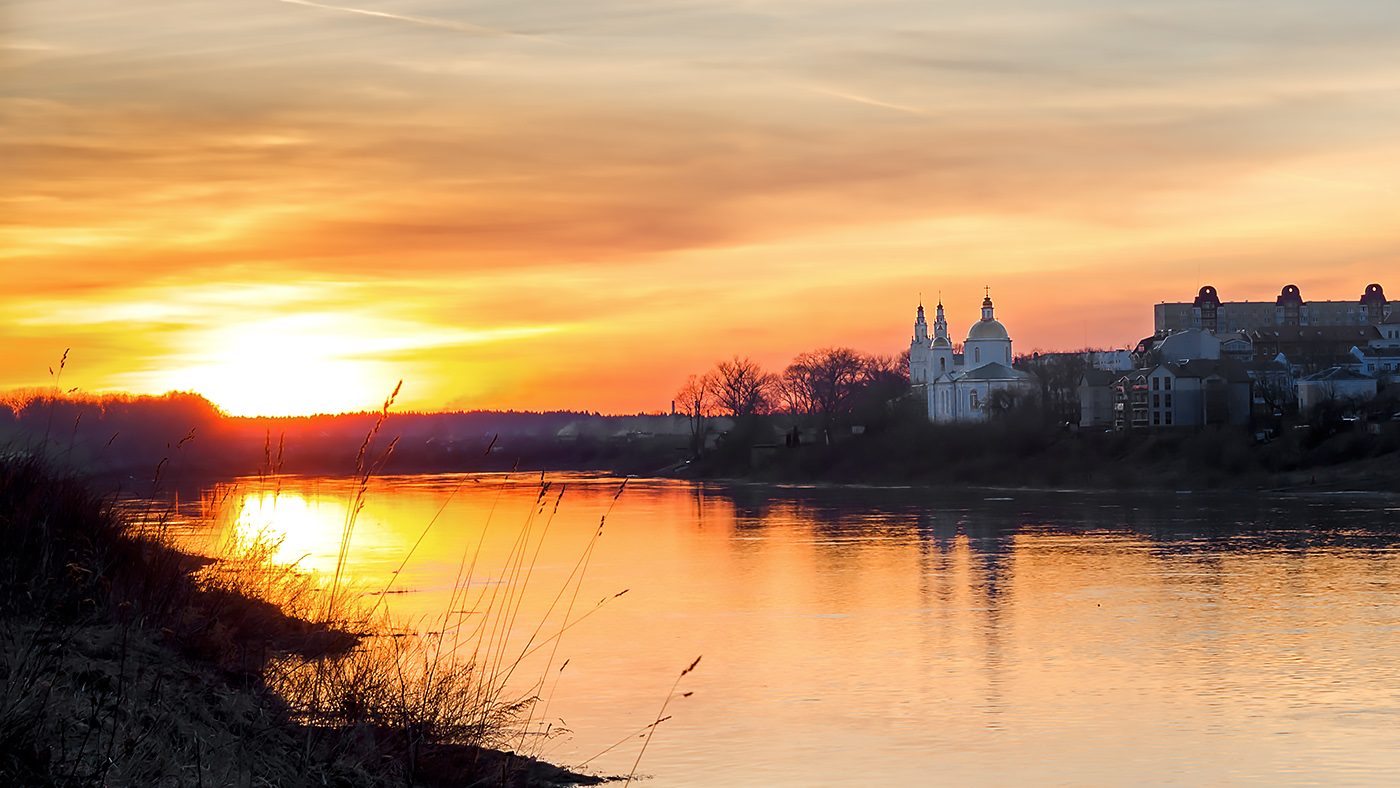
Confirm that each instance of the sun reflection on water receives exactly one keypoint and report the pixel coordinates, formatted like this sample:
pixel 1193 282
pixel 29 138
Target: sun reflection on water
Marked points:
pixel 307 528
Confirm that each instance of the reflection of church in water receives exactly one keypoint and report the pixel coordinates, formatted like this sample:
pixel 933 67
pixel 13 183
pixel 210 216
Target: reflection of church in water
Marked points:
pixel 956 386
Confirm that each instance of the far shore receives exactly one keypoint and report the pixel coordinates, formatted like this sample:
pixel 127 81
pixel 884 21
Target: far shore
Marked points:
pixel 148 443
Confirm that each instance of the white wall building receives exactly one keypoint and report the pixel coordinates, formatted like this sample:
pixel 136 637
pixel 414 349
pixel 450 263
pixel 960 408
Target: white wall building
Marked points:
pixel 957 386
pixel 1337 383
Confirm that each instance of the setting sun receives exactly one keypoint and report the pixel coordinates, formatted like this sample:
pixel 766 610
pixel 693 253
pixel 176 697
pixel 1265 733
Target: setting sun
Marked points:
pixel 286 366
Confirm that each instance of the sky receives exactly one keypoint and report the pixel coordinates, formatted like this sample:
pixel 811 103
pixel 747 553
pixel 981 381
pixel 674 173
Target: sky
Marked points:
pixel 290 205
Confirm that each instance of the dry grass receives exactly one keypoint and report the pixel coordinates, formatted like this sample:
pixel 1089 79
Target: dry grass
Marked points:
pixel 128 662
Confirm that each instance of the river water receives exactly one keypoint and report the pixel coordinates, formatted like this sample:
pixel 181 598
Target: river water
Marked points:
pixel 869 636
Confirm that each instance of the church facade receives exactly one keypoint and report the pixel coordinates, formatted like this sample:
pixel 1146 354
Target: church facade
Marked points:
pixel 956 387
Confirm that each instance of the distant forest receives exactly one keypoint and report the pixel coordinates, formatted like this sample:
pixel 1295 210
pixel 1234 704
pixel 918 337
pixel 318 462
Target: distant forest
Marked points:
pixel 184 435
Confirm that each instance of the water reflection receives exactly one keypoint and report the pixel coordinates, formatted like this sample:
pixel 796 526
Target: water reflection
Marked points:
pixel 886 636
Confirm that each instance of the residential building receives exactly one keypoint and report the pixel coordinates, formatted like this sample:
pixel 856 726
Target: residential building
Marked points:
pixel 1189 393
pixel 1313 349
pixel 1207 312
pixel 1096 397
pixel 1338 384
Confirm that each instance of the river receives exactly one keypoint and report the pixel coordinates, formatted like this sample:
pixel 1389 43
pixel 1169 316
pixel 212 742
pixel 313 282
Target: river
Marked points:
pixel 872 636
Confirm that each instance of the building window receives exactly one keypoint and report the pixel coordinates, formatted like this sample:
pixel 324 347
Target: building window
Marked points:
pixel 1169 417
pixel 972 400
pixel 1156 418
pixel 977 355
pixel 1169 400
pixel 942 364
pixel 1156 400
pixel 1167 384
pixel 1156 383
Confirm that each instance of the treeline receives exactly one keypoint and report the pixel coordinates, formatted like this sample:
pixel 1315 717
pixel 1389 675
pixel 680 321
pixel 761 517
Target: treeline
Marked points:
pixel 181 435
pixel 825 388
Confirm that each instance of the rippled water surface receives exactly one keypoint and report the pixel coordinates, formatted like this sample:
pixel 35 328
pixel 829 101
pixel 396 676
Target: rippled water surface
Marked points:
pixel 908 637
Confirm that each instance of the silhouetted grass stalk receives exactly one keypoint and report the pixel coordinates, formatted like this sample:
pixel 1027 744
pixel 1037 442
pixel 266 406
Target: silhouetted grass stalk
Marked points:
pixel 451 684
pixel 660 718
pixel 366 465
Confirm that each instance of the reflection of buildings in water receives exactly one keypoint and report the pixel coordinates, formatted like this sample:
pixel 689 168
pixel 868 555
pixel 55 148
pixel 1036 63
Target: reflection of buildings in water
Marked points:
pixel 967 557
pixel 993 578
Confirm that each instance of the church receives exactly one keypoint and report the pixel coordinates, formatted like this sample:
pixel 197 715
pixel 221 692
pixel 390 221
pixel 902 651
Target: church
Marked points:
pixel 957 386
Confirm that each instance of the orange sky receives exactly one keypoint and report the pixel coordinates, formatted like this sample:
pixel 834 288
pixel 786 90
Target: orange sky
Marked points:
pixel 289 206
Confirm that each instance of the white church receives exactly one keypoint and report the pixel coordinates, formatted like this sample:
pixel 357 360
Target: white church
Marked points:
pixel 956 386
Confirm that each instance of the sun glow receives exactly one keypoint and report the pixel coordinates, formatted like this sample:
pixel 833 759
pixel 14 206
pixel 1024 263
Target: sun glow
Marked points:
pixel 307 529
pixel 287 366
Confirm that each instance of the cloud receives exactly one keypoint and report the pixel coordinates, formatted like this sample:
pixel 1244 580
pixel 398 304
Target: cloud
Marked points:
pixel 673 168
pixel 461 27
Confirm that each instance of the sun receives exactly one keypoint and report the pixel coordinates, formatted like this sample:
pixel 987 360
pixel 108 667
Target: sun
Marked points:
pixel 287 366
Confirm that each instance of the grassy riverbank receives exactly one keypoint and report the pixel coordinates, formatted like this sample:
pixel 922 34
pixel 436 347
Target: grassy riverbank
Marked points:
pixel 1351 456
pixel 128 662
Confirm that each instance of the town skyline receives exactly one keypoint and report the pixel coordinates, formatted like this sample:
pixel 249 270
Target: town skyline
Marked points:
pixel 59 375
pixel 290 207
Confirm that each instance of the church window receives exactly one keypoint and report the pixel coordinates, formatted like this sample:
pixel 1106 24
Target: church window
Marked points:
pixel 1008 354
pixel 942 364
pixel 977 355
pixel 972 400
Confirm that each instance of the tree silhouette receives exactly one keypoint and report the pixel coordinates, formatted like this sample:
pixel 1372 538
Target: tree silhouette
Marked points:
pixel 741 388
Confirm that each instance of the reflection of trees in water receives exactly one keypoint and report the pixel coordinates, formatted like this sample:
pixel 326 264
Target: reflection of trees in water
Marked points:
pixel 990 518
pixel 964 535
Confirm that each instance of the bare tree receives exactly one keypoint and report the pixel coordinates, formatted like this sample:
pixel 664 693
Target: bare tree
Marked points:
pixel 697 401
pixel 742 388
pixel 1059 375
pixel 891 370
pixel 825 382
pixel 1277 393
pixel 794 396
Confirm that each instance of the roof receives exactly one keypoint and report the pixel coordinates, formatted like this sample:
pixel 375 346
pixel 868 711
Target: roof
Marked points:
pixel 1337 373
pixel 1317 333
pixel 1265 367
pixel 1099 377
pixel 1229 369
pixel 1377 352
pixel 1192 343
pixel 987 329
pixel 995 371
pixel 1393 318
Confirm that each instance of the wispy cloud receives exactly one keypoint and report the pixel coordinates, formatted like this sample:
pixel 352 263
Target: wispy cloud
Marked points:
pixel 865 100
pixel 675 182
pixel 447 24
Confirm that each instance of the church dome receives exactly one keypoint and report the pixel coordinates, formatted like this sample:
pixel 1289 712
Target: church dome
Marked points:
pixel 988 329
pixel 943 341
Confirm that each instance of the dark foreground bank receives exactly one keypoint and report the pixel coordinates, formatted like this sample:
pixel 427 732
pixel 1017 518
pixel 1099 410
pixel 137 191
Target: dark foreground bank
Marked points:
pixel 1348 455
pixel 124 661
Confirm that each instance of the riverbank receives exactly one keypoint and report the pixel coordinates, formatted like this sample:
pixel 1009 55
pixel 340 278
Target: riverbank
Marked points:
pixel 1358 458
pixel 127 661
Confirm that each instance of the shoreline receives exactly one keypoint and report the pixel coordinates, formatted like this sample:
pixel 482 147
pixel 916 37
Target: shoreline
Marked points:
pixel 129 660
